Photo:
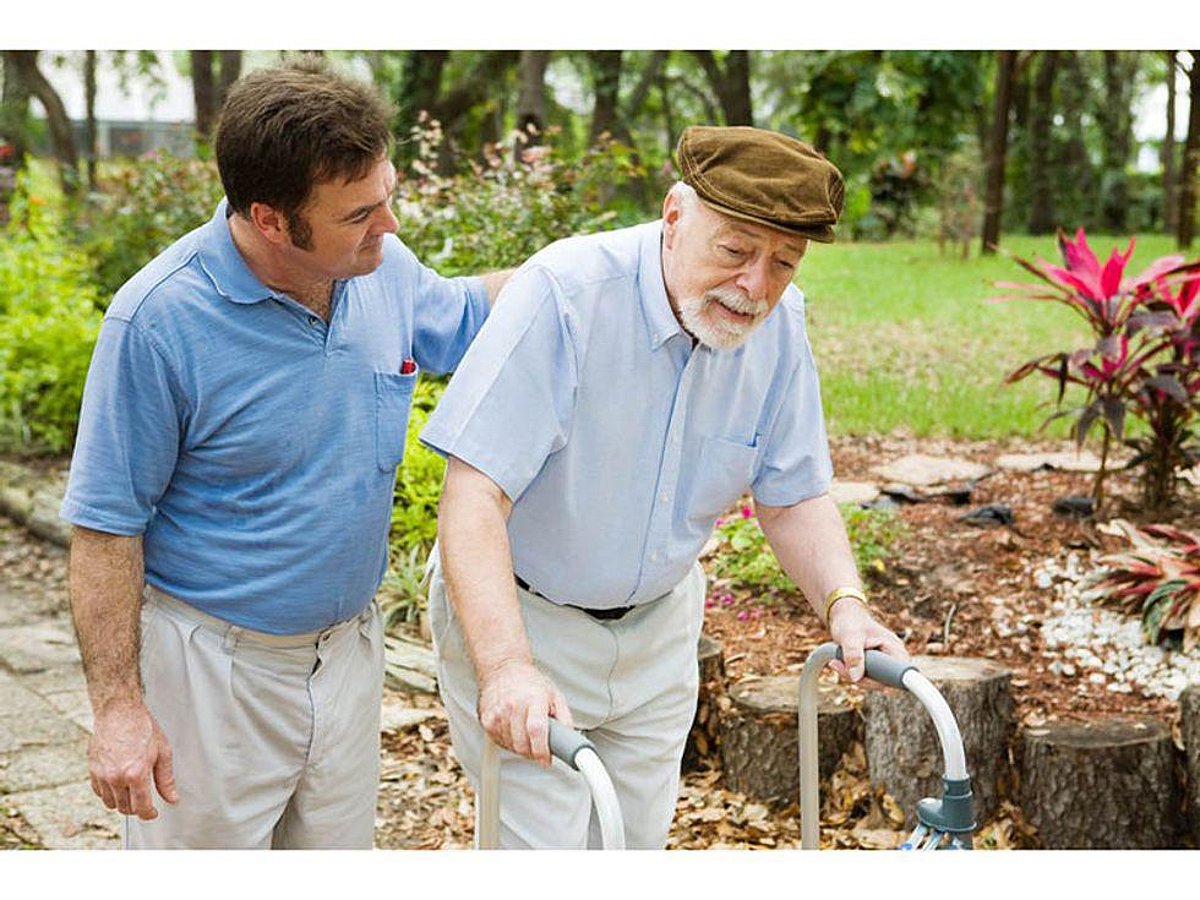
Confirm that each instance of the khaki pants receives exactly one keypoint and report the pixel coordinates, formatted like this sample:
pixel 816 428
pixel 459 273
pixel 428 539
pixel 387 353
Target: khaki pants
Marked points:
pixel 631 684
pixel 275 737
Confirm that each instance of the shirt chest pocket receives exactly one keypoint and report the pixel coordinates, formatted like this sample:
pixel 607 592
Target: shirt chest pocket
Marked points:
pixel 393 399
pixel 724 472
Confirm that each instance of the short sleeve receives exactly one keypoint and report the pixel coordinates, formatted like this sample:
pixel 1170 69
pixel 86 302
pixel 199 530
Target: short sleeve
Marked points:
pixel 509 404
pixel 794 463
pixel 129 434
pixel 448 313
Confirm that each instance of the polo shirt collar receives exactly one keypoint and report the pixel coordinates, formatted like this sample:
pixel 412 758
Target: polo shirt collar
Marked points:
pixel 223 263
pixel 661 324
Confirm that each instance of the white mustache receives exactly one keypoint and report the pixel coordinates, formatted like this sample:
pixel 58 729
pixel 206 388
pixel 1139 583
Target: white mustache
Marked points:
pixel 735 300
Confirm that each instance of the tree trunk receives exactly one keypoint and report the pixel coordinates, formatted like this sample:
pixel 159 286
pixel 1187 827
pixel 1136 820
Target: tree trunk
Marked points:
pixel 731 84
pixel 24 65
pixel 606 76
pixel 230 71
pixel 1116 121
pixel 760 753
pixel 1041 123
pixel 703 743
pixel 1189 727
pixel 1170 211
pixel 531 100
pixel 646 81
pixel 1006 64
pixel 903 752
pixel 1078 186
pixel 204 95
pixel 420 85
pixel 1191 159
pixel 90 149
pixel 1107 784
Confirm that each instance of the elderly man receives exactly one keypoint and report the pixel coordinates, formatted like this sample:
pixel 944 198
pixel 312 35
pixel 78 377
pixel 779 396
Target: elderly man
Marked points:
pixel 232 483
pixel 630 388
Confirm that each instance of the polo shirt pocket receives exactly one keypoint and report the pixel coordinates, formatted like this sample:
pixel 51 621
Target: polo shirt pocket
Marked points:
pixel 724 472
pixel 393 399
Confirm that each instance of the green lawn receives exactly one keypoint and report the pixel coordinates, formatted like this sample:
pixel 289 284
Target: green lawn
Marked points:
pixel 905 339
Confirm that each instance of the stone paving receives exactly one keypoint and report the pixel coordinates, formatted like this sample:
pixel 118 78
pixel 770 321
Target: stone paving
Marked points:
pixel 45 720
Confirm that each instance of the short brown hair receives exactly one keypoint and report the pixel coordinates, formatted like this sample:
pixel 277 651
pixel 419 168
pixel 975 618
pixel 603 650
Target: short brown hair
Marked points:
pixel 284 129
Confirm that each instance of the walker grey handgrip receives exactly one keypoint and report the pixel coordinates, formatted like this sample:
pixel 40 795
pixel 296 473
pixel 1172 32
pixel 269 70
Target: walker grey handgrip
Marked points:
pixel 566 742
pixel 883 668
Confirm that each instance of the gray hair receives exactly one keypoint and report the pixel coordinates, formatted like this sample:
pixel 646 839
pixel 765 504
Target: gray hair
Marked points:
pixel 686 195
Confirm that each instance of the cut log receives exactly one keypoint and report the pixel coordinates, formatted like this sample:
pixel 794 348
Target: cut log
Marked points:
pixel 1106 784
pixel 1189 727
pixel 904 755
pixel 760 751
pixel 409 666
pixel 702 747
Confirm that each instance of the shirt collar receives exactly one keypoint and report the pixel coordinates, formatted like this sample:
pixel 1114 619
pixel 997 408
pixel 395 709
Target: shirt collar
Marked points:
pixel 223 262
pixel 661 324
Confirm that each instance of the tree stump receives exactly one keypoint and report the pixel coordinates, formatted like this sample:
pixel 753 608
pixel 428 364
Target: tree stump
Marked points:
pixel 760 751
pixel 1107 784
pixel 703 740
pixel 1189 726
pixel 904 755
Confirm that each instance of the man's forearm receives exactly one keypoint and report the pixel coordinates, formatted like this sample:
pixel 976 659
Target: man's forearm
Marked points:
pixel 477 566
pixel 493 282
pixel 106 578
pixel 810 542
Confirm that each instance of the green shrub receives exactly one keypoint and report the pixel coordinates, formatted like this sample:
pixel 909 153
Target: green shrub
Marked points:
pixel 49 318
pixel 141 208
pixel 744 558
pixel 419 487
pixel 502 209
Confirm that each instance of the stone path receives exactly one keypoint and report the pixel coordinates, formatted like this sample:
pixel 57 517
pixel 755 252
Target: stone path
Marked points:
pixel 45 720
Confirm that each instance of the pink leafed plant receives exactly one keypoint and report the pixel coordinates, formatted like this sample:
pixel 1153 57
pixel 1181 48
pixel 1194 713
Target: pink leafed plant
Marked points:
pixel 1143 361
pixel 1158 578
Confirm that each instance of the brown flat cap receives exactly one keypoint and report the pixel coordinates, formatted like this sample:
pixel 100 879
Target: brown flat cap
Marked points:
pixel 764 177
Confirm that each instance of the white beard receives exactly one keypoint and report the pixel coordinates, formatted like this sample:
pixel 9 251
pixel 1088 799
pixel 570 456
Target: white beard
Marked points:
pixel 714 330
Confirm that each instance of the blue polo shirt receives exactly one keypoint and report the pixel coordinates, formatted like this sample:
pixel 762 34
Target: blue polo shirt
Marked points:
pixel 253 446
pixel 618 441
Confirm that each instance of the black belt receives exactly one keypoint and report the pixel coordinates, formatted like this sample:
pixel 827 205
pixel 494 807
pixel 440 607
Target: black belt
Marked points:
pixel 607 614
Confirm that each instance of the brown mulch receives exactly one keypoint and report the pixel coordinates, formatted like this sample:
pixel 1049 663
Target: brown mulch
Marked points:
pixel 944 588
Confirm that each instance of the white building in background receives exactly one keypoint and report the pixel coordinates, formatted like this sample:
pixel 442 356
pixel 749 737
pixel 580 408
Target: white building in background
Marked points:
pixel 134 114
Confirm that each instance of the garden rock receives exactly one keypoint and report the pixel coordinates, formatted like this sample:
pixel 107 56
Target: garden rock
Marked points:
pixel 32 499
pixel 989 516
pixel 861 493
pixel 1067 461
pixel 1075 506
pixel 929 472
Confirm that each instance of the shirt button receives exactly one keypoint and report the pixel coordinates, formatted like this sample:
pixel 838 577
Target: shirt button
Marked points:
pixel 663 498
pixel 655 556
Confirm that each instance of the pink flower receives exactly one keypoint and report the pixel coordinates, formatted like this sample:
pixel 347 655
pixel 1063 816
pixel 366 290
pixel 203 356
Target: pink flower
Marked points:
pixel 746 513
pixel 709 603
pixel 727 599
pixel 743 615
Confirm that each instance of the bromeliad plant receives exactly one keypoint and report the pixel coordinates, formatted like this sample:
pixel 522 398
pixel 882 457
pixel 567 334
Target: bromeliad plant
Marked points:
pixel 1158 578
pixel 1143 362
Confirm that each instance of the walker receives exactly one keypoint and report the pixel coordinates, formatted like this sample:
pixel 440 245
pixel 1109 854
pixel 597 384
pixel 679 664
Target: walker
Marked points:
pixel 949 820
pixel 577 752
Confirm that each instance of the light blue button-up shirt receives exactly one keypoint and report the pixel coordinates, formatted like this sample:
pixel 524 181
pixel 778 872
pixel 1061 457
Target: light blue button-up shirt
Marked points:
pixel 619 443
pixel 253 446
